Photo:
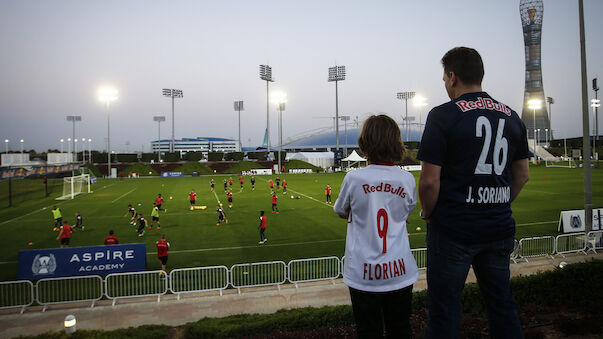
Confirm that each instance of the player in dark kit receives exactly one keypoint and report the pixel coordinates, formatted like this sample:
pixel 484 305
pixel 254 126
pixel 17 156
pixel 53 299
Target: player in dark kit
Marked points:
pixel 221 216
pixel 142 223
pixel 474 162
pixel 213 185
pixel 78 221
pixel 253 183
pixel 225 185
pixel 278 183
pixel 133 214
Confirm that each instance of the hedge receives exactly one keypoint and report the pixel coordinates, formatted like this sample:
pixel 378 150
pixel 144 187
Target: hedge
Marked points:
pixel 193 156
pixel 194 166
pixel 215 156
pixel 234 156
pixel 256 155
pixel 171 157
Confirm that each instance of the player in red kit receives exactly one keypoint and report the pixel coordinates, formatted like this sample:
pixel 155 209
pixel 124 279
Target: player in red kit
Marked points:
pixel 162 253
pixel 284 186
pixel 65 235
pixel 274 202
pixel 159 201
pixel 271 183
pixel 229 196
pixel 241 182
pixel 328 192
pixel 262 228
pixel 111 239
pixel 192 197
pixel 230 181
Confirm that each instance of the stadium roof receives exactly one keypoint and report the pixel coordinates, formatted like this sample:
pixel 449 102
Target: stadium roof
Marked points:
pixel 196 139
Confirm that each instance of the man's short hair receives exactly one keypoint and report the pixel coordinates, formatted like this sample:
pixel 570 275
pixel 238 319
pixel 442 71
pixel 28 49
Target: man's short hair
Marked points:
pixel 111 232
pixel 380 140
pixel 466 63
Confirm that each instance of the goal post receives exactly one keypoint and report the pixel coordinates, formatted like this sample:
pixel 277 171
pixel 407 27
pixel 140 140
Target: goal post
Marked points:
pixel 561 162
pixel 75 185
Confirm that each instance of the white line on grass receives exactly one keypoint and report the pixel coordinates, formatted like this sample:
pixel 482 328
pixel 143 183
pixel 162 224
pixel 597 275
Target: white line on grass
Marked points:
pixel 123 195
pixel 307 196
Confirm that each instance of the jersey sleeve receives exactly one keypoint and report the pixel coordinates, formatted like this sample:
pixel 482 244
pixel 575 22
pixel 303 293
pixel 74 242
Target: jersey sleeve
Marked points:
pixel 433 143
pixel 523 151
pixel 342 204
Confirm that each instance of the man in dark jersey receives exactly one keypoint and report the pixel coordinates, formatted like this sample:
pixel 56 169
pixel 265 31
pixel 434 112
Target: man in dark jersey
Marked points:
pixel 79 221
pixel 474 155
pixel 142 223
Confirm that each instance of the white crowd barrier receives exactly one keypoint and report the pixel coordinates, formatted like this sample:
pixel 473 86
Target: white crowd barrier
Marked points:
pixel 420 255
pixel 594 240
pixel 268 273
pixel 18 293
pixel 136 284
pixel 199 279
pixel 516 250
pixel 536 247
pixel 570 243
pixel 69 290
pixel 314 269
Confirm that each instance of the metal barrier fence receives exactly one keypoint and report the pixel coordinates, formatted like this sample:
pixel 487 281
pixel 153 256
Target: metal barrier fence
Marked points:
pixel 267 273
pixel 516 250
pixel 69 290
pixel 136 284
pixel 314 269
pixel 199 279
pixel 536 247
pixel 594 240
pixel 16 294
pixel 570 243
pixel 420 255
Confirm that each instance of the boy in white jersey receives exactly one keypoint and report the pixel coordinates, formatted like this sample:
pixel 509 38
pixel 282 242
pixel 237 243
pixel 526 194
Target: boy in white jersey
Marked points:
pixel 379 266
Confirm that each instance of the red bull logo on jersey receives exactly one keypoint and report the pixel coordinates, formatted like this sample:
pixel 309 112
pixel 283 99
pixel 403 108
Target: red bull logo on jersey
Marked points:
pixel 483 103
pixel 386 188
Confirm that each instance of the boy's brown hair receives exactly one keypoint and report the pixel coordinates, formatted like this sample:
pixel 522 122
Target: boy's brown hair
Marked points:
pixel 380 140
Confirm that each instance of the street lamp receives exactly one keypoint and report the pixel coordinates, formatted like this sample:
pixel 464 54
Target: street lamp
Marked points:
pixel 238 106
pixel 73 119
pixel 534 104
pixel 62 141
pixel 159 119
pixel 336 73
pixel 280 100
pixel 546 138
pixel 69 149
pixel 6 145
pixel 420 101
pixel 266 75
pixel 405 96
pixel 107 95
pixel 172 93
pixel 75 149
pixel 21 141
pixel 538 137
pixel 345 119
pixel 550 101
pixel 89 150
pixel 595 104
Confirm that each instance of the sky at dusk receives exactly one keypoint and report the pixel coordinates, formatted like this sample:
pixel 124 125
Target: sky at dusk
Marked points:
pixel 55 55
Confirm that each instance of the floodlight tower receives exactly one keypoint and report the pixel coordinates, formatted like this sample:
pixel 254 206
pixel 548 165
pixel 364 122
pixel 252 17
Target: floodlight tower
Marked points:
pixel 172 93
pixel 159 119
pixel 406 96
pixel 531 12
pixel 550 101
pixel 238 106
pixel 266 74
pixel 280 101
pixel 107 95
pixel 596 103
pixel 336 73
pixel 73 119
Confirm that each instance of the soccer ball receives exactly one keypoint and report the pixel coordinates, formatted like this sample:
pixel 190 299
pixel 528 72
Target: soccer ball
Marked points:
pixel 170 198
pixel 292 197
pixel 418 229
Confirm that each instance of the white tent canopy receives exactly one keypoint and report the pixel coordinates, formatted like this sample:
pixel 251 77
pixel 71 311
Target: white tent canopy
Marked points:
pixel 320 159
pixel 354 157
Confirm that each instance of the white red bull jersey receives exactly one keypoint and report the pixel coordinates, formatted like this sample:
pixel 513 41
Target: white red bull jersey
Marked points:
pixel 379 199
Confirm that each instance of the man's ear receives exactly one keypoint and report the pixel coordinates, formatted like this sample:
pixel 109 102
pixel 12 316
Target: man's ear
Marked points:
pixel 453 79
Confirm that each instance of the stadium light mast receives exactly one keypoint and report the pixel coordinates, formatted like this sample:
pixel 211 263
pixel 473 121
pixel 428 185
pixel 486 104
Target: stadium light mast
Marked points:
pixel 62 141
pixel 266 74
pixel 69 147
pixel 75 150
pixel 534 104
pixel 238 106
pixel 337 74
pixel 107 95
pixel 159 119
pixel 89 150
pixel 406 96
pixel 588 180
pixel 597 103
pixel 21 141
pixel 420 101
pixel 74 119
pixel 280 100
pixel 550 101
pixel 172 93
pixel 6 145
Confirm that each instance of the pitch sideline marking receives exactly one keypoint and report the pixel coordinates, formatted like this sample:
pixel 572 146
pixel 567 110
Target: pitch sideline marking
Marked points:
pixel 123 195
pixel 307 196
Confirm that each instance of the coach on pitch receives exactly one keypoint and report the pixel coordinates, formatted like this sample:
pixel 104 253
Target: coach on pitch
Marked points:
pixel 474 155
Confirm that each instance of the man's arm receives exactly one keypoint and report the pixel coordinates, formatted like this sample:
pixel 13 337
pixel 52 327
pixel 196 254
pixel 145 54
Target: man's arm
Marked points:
pixel 429 187
pixel 520 174
pixel 60 233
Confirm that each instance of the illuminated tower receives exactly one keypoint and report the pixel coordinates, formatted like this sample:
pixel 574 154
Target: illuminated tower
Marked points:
pixel 531 12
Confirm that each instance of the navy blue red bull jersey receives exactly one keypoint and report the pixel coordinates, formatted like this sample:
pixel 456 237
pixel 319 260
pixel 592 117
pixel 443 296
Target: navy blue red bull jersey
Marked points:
pixel 475 139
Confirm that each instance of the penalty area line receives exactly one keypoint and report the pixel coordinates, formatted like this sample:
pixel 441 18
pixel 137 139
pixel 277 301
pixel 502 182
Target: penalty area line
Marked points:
pixel 123 195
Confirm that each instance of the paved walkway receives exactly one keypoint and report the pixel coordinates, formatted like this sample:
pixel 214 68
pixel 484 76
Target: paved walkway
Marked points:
pixel 174 312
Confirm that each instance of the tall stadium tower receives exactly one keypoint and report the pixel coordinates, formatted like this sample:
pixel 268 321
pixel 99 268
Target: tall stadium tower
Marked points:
pixel 531 12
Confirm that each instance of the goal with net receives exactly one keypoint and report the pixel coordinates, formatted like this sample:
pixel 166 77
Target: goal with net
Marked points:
pixel 75 185
pixel 561 162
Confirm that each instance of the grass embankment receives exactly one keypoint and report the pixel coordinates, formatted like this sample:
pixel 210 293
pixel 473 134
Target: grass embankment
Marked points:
pixel 194 166
pixel 141 169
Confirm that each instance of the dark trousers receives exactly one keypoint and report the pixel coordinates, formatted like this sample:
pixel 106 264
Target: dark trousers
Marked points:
pixel 374 311
pixel 262 234
pixel 448 263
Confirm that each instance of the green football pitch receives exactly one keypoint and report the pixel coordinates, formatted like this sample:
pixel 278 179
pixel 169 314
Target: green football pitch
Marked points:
pixel 306 227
